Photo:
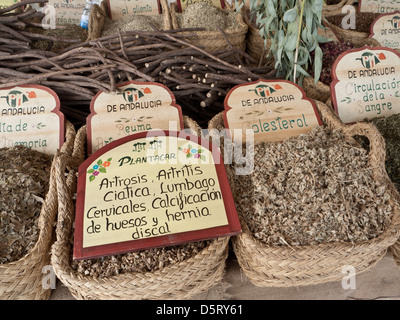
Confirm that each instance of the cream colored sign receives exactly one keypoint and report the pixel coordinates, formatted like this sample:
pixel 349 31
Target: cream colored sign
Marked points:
pixel 151 187
pixel 121 8
pixel 137 107
pixel 273 110
pixel 386 30
pixel 68 11
pixel 366 84
pixel 379 6
pixel 29 116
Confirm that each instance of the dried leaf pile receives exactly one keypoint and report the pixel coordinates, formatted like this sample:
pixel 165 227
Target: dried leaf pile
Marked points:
pixel 389 127
pixel 24 181
pixel 311 189
pixel 141 261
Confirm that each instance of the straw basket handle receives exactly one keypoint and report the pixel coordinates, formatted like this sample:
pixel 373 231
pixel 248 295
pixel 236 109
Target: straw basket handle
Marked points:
pixel 377 153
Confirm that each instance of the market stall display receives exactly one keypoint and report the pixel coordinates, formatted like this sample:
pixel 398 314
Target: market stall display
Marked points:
pixel 323 190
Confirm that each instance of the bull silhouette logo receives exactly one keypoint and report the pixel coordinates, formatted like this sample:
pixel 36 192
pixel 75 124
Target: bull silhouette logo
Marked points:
pixel 133 94
pixel 16 98
pixel 263 90
pixel 370 60
pixel 395 22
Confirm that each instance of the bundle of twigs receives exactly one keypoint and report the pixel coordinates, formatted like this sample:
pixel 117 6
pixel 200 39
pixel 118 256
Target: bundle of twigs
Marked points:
pixel 198 79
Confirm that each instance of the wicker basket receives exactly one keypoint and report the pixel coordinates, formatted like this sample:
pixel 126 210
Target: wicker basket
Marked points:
pixel 255 46
pixel 335 9
pixel 22 279
pixel 177 281
pixel 285 266
pixel 213 41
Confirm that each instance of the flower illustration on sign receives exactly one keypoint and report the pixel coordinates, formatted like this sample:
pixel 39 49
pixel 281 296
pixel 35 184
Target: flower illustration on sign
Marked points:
pixel 99 167
pixel 264 90
pixel 370 60
pixel 193 152
pixel 133 94
pixel 16 98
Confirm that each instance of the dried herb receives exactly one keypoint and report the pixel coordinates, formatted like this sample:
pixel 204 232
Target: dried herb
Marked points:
pixel 389 127
pixel 204 15
pixel 311 189
pixel 24 182
pixel 130 23
pixel 330 51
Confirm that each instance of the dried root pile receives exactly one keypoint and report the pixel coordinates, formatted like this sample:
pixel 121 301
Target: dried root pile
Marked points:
pixel 312 189
pixel 24 182
pixel 198 79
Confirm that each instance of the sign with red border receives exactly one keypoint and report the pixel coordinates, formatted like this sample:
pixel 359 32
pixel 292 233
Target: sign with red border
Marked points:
pixel 152 189
pixel 273 109
pixel 30 115
pixel 136 107
pixel 182 4
pixel 386 30
pixel 378 6
pixel 366 84
pixel 121 8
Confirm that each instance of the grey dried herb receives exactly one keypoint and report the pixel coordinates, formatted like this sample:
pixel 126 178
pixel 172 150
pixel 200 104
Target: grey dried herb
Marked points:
pixel 389 127
pixel 311 189
pixel 141 261
pixel 24 182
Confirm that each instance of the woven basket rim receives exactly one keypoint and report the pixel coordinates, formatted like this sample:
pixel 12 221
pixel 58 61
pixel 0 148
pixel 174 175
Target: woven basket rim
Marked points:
pixel 74 279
